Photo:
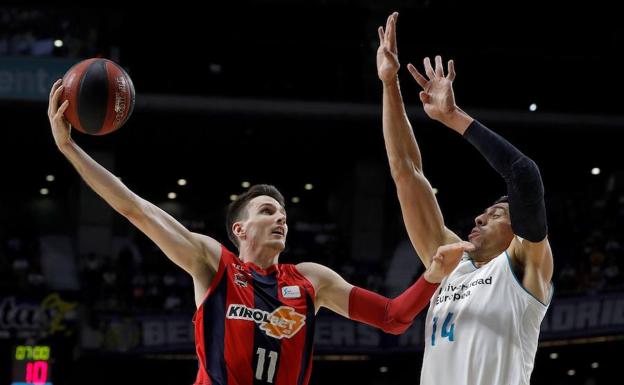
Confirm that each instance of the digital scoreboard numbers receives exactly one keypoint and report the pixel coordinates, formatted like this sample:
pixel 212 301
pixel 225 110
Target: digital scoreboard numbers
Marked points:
pixel 31 365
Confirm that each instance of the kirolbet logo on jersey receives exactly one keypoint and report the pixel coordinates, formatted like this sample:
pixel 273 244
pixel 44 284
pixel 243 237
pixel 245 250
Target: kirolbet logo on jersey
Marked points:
pixel 282 322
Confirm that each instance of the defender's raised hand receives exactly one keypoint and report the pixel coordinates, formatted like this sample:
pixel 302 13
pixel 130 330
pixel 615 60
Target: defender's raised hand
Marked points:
pixel 437 94
pixel 387 53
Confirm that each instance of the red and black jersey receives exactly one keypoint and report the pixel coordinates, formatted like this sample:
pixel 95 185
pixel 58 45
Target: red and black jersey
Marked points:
pixel 255 326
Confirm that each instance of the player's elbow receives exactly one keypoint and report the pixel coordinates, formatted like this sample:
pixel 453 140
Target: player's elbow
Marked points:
pixel 134 209
pixel 526 201
pixel 526 176
pixel 403 172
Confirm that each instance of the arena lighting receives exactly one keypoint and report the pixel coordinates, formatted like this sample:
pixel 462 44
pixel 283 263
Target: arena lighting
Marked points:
pixel 245 184
pixel 50 178
pixel 383 369
pixel 181 182
pixel 308 186
pixel 554 356
pixel 233 197
pixel 571 372
pixel 215 68
pixel 295 200
pixel 44 191
pixel 595 365
pixel 58 43
pixel 172 195
pixel 533 107
pixel 595 171
pixel 435 190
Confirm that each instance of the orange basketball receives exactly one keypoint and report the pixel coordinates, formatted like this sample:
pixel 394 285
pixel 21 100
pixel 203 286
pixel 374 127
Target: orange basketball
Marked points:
pixel 101 96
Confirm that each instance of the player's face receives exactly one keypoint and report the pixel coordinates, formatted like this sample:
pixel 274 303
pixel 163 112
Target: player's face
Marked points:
pixel 265 225
pixel 492 231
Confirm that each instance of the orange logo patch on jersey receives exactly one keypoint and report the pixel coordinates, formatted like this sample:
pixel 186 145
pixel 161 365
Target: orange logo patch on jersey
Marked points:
pixel 283 322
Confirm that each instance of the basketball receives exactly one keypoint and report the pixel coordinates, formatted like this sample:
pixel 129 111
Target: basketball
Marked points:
pixel 101 96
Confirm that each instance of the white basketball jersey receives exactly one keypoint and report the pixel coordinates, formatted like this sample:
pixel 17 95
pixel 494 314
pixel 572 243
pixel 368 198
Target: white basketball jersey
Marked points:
pixel 482 327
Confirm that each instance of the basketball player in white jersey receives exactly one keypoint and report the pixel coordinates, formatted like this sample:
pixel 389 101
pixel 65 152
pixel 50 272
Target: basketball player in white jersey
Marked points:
pixel 483 322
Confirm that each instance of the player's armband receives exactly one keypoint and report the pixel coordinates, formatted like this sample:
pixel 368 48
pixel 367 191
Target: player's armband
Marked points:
pixel 525 189
pixel 390 315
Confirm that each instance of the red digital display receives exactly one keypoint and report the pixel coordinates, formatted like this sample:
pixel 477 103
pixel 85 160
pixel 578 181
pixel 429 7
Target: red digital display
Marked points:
pixel 31 365
pixel 37 372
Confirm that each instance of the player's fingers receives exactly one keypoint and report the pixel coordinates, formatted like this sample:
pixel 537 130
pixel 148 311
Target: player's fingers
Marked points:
pixel 420 79
pixel 458 246
pixel 392 41
pixel 451 70
pixel 61 110
pixel 439 70
pixel 55 99
pixel 388 22
pixel 52 91
pixel 55 86
pixel 389 55
pixel 467 246
pixel 428 68
pixel 63 107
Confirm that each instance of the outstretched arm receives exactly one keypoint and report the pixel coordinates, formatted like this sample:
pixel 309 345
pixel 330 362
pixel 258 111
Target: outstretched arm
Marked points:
pixel 197 254
pixel 527 210
pixel 391 315
pixel 421 212
pixel 525 189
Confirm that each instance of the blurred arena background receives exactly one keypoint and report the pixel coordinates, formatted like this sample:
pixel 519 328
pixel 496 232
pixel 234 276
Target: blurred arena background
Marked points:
pixel 286 93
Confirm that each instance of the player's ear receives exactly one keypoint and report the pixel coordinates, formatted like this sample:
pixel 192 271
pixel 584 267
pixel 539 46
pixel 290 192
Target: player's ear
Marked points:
pixel 239 230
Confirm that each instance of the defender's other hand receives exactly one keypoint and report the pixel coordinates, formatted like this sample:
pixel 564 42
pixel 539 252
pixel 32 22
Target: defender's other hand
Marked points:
pixel 446 259
pixel 387 53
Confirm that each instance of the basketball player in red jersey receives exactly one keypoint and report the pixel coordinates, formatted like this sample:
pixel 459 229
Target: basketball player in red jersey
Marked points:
pixel 254 322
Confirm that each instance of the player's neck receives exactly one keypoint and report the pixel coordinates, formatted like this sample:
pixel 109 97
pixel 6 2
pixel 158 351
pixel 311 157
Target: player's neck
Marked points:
pixel 481 258
pixel 262 257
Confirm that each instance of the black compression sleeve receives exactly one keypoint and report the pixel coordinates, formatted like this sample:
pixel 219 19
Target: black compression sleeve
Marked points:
pixel 525 189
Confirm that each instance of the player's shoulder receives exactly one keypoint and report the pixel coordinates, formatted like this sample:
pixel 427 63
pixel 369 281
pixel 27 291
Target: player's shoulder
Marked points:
pixel 312 268
pixel 525 251
pixel 308 265
pixel 211 249
pixel 314 272
pixel 226 256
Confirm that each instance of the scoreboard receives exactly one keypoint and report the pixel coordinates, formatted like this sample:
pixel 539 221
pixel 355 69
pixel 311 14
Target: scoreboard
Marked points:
pixel 31 365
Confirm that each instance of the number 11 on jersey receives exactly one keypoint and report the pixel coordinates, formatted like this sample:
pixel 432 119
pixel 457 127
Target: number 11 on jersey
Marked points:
pixel 446 332
pixel 260 368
